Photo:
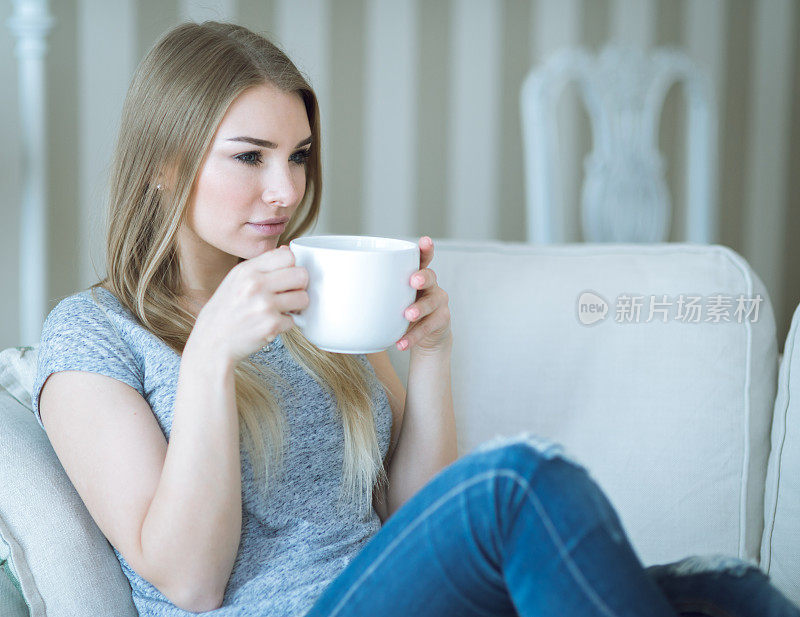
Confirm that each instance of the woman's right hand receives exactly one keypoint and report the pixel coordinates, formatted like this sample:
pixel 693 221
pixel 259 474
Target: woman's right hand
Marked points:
pixel 247 309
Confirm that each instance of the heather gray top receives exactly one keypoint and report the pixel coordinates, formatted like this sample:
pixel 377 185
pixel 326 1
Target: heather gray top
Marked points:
pixel 294 541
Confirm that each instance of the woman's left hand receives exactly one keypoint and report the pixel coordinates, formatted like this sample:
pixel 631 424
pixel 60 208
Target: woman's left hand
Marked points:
pixel 429 330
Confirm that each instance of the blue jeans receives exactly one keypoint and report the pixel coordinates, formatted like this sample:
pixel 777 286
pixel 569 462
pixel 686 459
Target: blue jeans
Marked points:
pixel 518 528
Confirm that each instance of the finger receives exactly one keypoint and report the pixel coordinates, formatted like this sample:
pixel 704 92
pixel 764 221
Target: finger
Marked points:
pixel 415 311
pixel 425 251
pixel 425 306
pixel 291 301
pixel 271 260
pixel 284 279
pixel 422 279
pixel 423 328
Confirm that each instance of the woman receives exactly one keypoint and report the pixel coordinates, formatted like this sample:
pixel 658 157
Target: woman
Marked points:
pixel 234 467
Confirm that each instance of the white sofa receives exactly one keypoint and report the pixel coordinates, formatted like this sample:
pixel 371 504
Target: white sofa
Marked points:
pixel 687 425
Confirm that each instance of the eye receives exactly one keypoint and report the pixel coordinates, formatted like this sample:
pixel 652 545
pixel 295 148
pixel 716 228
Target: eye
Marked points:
pixel 302 156
pixel 254 153
pixel 254 158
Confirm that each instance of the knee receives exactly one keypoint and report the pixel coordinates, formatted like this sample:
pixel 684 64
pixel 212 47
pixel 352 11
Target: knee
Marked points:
pixel 524 450
pixel 531 459
pixel 525 463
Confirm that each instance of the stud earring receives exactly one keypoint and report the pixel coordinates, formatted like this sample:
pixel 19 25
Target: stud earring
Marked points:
pixel 159 186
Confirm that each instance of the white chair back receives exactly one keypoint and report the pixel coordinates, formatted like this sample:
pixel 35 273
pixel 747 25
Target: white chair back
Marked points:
pixel 625 197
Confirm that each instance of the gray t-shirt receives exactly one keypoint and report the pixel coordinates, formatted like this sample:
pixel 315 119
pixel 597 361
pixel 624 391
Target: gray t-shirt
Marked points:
pixel 296 540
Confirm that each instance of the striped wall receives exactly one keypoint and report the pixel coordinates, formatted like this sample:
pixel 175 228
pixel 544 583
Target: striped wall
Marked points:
pixel 421 128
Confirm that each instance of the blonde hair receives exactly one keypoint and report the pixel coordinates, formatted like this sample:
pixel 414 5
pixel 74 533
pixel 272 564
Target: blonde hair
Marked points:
pixel 178 96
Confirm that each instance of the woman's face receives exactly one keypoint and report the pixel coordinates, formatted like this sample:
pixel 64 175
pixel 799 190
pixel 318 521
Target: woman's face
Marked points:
pixel 242 182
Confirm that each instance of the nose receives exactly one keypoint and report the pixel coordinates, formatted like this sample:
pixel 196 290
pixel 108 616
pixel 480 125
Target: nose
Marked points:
pixel 282 185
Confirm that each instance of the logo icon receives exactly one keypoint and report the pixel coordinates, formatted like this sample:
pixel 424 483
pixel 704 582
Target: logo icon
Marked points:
pixel 592 308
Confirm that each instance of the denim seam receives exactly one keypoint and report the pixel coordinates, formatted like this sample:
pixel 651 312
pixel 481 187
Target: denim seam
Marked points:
pixel 460 487
pixel 559 542
pixel 474 607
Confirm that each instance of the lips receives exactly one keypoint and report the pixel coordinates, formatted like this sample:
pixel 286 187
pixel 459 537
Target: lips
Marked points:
pixel 274 221
pixel 269 230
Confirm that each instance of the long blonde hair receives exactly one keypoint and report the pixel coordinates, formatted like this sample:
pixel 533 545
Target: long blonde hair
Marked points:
pixel 177 99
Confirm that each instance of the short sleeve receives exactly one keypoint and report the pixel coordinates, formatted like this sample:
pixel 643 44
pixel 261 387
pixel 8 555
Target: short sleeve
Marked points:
pixel 78 335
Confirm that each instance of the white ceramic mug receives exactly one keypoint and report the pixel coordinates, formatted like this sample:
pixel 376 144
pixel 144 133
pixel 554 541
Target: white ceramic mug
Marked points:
pixel 358 289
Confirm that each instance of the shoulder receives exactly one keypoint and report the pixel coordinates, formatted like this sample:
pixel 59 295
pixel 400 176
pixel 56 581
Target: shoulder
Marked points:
pixel 79 309
pixel 87 301
pixel 82 334
pixel 83 321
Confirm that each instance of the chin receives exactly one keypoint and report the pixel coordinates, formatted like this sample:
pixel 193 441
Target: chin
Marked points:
pixel 264 246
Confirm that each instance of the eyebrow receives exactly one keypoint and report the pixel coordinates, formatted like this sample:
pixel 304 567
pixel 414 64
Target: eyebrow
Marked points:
pixel 267 144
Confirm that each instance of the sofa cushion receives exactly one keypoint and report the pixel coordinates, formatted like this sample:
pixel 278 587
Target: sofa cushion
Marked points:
pixel 671 417
pixel 780 546
pixel 17 372
pixel 65 566
pixel 12 602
